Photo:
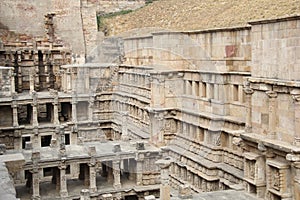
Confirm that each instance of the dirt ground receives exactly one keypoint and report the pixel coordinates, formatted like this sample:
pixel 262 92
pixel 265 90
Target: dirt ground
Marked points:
pixel 201 14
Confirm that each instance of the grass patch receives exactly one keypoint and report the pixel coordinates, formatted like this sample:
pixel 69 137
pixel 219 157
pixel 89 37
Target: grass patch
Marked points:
pixel 102 26
pixel 102 16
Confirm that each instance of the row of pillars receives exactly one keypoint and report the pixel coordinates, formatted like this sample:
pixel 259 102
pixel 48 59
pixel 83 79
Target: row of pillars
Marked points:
pixel 55 104
pixel 88 175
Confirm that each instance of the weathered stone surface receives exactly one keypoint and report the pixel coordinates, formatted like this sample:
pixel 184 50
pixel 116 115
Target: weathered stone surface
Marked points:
pixel 227 117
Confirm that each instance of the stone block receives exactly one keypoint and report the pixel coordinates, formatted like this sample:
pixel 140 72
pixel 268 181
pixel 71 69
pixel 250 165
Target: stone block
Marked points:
pixel 150 197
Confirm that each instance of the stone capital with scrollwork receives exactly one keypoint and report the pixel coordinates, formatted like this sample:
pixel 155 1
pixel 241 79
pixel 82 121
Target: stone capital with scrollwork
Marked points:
pixel 271 94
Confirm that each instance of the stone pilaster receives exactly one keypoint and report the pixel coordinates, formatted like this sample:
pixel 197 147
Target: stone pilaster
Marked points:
pixel 63 181
pixel 91 107
pixel 296 98
pixel 31 83
pixel 74 108
pixel 35 175
pixel 55 109
pixel 93 184
pixel 92 169
pixel 35 184
pixel 74 134
pixel 295 159
pixel 18 139
pixel 272 114
pixel 62 145
pixel 35 138
pixel 139 169
pixel 248 98
pixel 125 135
pixel 109 169
pixel 156 128
pixel 164 174
pixel 12 82
pixel 34 104
pixel 116 173
pixel 69 80
pixel 15 114
pixel 158 91
pixel 19 76
pixel 194 89
pixel 297 181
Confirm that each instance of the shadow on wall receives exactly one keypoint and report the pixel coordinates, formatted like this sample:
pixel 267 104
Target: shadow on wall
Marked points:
pixel 2 26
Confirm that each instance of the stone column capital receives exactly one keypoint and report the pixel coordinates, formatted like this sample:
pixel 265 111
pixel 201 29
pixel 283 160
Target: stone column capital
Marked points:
pixel 294 158
pixel 296 98
pixel 271 94
pixel 248 91
pixel 164 163
pixel 14 104
pixel 62 166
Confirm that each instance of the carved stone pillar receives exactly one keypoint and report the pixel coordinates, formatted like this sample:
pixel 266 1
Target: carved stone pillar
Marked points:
pixel 297 181
pixel 124 126
pixel 69 80
pixel 31 83
pixel 35 139
pixel 12 81
pixel 164 173
pixel 92 169
pixel 62 144
pixel 74 108
pixel 116 173
pixel 74 134
pixel 109 169
pixel 34 104
pixel 272 113
pixel 18 139
pixel 63 181
pixel 35 175
pixel 296 98
pixel 194 89
pixel 55 111
pixel 15 114
pixel 248 98
pixel 295 159
pixel 35 184
pixel 158 91
pixel 156 128
pixel 139 169
pixel 90 110
pixel 93 184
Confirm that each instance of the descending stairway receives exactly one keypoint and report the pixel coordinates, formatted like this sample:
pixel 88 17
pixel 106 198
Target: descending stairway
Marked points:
pixel 111 53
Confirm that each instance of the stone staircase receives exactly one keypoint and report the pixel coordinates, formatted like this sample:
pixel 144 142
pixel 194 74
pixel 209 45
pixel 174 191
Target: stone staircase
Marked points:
pixel 109 51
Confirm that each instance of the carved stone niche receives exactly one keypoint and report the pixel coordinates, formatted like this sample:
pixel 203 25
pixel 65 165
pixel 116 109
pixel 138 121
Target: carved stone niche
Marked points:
pixel 278 179
pixel 254 174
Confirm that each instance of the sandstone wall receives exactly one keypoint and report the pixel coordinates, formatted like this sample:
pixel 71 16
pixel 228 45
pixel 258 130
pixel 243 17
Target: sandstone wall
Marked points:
pixel 275 71
pixel 276 49
pixel 75 21
pixel 26 16
pixel 215 50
